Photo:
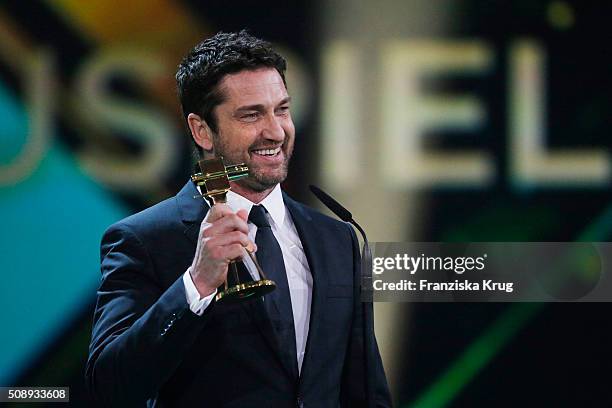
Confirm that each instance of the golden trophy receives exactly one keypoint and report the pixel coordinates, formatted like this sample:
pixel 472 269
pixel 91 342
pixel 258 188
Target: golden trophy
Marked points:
pixel 213 177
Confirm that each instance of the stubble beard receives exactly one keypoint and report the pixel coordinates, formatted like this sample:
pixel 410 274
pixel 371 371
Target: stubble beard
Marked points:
pixel 257 180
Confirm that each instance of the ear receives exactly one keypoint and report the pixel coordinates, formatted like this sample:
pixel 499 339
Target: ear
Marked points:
pixel 200 131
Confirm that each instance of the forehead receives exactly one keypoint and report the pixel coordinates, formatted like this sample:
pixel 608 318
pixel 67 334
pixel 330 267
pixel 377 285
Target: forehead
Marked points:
pixel 260 86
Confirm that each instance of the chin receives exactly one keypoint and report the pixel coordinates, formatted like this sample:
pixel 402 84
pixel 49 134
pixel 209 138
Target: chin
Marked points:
pixel 264 182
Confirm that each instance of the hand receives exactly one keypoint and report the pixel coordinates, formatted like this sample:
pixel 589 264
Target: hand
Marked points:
pixel 222 238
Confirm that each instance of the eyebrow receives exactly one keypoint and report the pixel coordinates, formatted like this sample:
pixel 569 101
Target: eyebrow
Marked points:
pixel 260 107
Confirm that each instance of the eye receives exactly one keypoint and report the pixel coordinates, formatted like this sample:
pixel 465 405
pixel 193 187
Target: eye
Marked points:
pixel 250 116
pixel 283 110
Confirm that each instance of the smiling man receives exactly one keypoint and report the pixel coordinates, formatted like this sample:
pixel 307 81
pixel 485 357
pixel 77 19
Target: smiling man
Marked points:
pixel 161 339
pixel 253 126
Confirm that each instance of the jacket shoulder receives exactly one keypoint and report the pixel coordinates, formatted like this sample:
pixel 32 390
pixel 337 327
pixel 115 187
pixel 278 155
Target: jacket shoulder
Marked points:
pixel 317 217
pixel 155 219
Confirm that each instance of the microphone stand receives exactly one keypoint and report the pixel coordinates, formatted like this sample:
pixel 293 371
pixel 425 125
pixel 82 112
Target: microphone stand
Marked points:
pixel 366 288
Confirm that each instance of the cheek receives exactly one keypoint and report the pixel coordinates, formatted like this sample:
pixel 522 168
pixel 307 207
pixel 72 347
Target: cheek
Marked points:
pixel 239 138
pixel 289 127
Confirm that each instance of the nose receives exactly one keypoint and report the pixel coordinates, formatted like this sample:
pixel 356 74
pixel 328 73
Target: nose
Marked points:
pixel 273 129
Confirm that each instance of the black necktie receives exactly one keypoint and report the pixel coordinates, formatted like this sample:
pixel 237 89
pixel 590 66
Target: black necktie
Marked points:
pixel 278 302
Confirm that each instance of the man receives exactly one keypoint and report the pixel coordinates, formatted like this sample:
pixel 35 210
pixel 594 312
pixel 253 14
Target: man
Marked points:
pixel 159 336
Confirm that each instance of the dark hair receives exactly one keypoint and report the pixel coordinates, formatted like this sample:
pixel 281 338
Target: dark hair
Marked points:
pixel 204 67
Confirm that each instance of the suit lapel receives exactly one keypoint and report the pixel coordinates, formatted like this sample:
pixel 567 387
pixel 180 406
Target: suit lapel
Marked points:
pixel 193 209
pixel 315 253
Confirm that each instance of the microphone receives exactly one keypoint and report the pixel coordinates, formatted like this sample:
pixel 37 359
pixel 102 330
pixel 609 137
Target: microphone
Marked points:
pixel 366 286
pixel 346 216
pixel 333 205
pixel 366 254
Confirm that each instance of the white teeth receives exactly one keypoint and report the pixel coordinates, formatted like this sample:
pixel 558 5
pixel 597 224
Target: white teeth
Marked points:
pixel 267 152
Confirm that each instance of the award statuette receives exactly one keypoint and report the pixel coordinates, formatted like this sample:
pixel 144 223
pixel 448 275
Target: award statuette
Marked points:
pixel 213 177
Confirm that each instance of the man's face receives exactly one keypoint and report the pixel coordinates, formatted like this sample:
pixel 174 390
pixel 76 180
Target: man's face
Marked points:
pixel 255 127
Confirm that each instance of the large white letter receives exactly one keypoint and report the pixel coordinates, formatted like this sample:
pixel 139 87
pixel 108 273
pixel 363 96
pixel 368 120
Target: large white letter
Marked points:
pixel 407 112
pixel 38 77
pixel 530 163
pixel 341 143
pixel 146 126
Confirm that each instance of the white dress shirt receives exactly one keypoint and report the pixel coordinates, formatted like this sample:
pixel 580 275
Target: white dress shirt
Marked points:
pixel 296 265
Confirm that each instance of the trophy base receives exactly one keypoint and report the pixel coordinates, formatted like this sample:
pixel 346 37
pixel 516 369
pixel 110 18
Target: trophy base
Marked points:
pixel 245 291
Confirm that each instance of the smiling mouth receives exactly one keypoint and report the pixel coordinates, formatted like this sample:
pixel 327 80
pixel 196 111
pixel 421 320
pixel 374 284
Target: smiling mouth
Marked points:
pixel 267 152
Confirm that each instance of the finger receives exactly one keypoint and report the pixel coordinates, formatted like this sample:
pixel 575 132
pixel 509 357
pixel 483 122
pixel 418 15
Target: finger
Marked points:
pixel 229 222
pixel 251 247
pixel 218 211
pixel 230 238
pixel 235 252
pixel 227 252
pixel 242 213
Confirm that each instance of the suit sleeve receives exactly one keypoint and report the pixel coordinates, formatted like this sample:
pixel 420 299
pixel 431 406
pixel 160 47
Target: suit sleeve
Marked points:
pixel 364 381
pixel 141 331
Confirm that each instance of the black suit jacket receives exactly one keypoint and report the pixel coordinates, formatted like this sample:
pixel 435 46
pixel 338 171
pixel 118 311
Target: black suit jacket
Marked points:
pixel 148 347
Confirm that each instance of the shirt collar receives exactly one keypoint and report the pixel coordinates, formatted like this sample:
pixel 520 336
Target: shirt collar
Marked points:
pixel 273 203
